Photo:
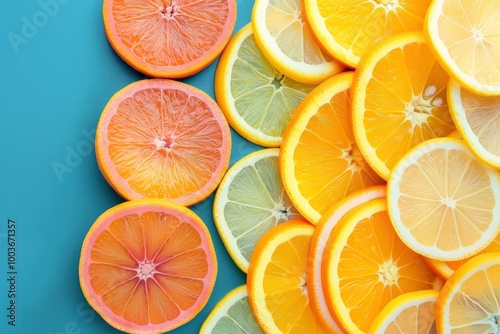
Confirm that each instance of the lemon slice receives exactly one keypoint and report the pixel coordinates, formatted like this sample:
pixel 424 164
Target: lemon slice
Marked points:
pixel 257 99
pixel 288 43
pixel 250 201
pixel 478 120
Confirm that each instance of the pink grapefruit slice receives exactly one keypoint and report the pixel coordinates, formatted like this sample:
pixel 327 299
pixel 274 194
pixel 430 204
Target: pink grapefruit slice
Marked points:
pixel 167 38
pixel 148 266
pixel 160 138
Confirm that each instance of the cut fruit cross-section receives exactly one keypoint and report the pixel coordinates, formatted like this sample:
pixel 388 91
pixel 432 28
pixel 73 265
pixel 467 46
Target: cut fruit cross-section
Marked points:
pixel 160 138
pixel 147 266
pixel 169 39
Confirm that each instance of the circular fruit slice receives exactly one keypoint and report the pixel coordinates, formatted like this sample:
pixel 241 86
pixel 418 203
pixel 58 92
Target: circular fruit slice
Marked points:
pixel 250 201
pixel 468 302
pixel 147 266
pixel 346 28
pixel 288 43
pixel 276 280
pixel 399 100
pixel 443 202
pixel 446 268
pixel 232 315
pixel 412 312
pixel 464 37
pixel 478 120
pixel 320 162
pixel 161 138
pixel 257 99
pixel 318 242
pixel 169 39
pixel 366 265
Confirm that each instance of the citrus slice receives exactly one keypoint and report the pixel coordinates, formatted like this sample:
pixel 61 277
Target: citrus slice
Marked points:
pixel 346 28
pixel 412 312
pixel 366 265
pixel 164 139
pixel 288 43
pixel 318 242
pixel 478 120
pixel 147 266
pixel 399 100
pixel 232 315
pixel 249 202
pixel 320 162
pixel 446 268
pixel 257 99
pixel 468 302
pixel 443 202
pixel 276 280
pixel 169 39
pixel 464 37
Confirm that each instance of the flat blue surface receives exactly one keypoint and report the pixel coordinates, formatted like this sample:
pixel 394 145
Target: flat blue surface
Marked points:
pixel 57 73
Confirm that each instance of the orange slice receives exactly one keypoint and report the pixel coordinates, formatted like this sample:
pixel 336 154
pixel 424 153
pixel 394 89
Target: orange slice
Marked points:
pixel 276 280
pixel 464 37
pixel 412 312
pixel 320 162
pixel 164 139
pixel 443 202
pixel 346 28
pixel 147 266
pixel 446 268
pixel 366 265
pixel 399 100
pixel 478 120
pixel 318 242
pixel 169 39
pixel 468 302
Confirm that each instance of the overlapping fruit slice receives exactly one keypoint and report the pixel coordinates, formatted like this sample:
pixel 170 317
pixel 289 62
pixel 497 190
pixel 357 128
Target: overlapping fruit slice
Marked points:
pixel 160 138
pixel 147 266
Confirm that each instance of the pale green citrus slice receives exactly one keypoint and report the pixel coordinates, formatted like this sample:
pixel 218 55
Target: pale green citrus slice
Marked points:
pixel 477 118
pixel 232 315
pixel 288 43
pixel 250 201
pixel 257 99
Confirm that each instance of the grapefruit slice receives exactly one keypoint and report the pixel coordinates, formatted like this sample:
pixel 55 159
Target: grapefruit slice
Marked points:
pixel 169 39
pixel 161 138
pixel 147 266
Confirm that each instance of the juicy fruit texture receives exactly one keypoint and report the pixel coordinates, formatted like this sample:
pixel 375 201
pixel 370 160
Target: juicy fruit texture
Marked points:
pixel 257 100
pixel 412 312
pixel 446 268
pixel 320 162
pixel 276 280
pixel 147 266
pixel 398 100
pixel 464 37
pixel 169 39
pixel 468 302
pixel 319 239
pixel 232 315
pixel 478 121
pixel 249 202
pixel 161 138
pixel 346 28
pixel 288 43
pixel 367 265
pixel 443 202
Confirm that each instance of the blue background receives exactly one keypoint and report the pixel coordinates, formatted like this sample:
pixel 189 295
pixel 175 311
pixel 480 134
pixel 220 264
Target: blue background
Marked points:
pixel 55 81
